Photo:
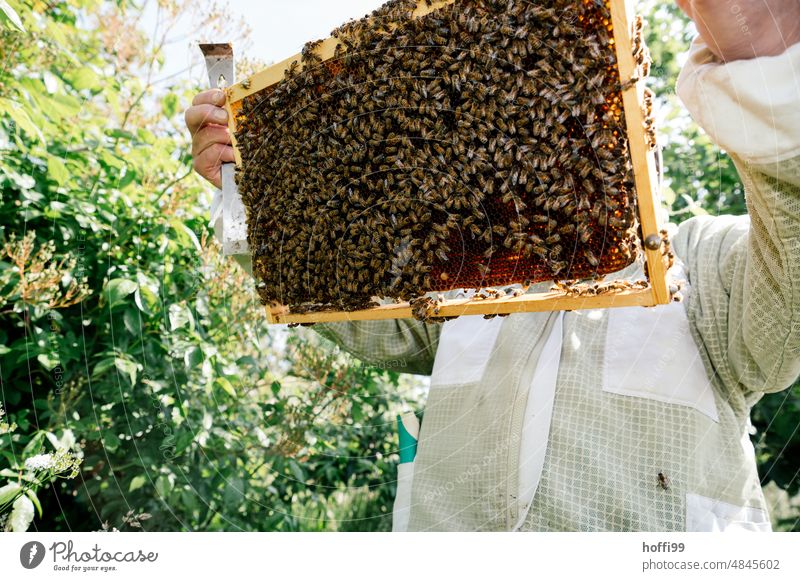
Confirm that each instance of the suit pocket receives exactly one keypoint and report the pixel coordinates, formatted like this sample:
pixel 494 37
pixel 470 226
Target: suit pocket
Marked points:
pixel 465 346
pixel 650 353
pixel 705 514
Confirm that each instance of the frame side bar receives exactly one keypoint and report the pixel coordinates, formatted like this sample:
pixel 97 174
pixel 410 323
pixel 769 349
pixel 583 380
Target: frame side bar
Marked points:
pixel 642 158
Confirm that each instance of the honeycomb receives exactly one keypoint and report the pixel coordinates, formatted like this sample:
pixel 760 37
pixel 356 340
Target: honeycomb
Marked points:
pixel 481 145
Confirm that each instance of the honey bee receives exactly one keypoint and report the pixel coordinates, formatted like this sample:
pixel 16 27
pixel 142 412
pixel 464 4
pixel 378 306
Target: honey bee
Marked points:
pixel 584 231
pixel 291 70
pixel 557 267
pixel 630 83
pixel 645 68
pixel 567 229
pixel 553 239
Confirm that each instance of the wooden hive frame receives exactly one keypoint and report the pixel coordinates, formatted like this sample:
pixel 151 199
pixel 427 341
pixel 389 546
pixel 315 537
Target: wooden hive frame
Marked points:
pixel 644 170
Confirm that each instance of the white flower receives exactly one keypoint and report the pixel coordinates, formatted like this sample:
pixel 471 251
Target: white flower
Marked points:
pixel 40 462
pixel 22 515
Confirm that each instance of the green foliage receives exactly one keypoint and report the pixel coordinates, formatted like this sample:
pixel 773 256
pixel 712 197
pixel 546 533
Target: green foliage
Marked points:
pixel 121 323
pixel 40 469
pixel 700 177
pixel 9 16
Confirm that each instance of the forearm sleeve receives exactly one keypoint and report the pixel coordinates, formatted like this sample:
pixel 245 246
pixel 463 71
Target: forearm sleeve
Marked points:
pixel 745 272
pixel 406 345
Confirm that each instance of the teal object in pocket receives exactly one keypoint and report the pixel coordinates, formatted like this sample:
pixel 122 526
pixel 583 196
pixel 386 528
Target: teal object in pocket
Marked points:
pixel 408 430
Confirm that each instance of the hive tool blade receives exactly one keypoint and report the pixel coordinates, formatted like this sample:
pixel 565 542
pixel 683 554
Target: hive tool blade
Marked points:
pixel 227 209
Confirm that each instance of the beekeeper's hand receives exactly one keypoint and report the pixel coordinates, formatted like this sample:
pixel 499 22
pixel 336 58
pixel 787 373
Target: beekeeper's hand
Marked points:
pixel 745 29
pixel 211 142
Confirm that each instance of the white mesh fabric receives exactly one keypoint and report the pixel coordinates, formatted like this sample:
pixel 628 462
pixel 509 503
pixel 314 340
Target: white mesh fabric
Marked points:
pixel 605 450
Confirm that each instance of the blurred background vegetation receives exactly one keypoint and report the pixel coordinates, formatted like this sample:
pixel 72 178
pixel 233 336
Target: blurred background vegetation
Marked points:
pixel 140 386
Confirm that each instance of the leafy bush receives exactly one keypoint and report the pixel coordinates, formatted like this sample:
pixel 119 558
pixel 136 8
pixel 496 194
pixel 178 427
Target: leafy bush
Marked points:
pixel 121 323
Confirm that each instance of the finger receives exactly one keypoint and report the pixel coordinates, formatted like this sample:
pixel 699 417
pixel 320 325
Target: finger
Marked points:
pixel 198 116
pixel 210 97
pixel 208 136
pixel 209 163
pixel 686 6
pixel 214 178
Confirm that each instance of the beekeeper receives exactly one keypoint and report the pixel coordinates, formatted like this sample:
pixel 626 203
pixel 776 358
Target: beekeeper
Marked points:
pixel 621 419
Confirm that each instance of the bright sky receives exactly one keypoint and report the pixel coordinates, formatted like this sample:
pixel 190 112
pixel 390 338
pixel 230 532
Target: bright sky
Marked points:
pixel 281 27
pixel 279 30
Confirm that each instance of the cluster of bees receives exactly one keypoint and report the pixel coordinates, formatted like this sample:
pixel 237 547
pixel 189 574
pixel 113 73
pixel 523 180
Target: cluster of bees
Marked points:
pixel 641 58
pixel 482 145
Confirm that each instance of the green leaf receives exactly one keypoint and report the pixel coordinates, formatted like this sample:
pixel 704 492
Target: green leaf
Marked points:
pixel 233 492
pixel 296 470
pixel 9 492
pixel 59 106
pixel 112 160
pixel 180 316
pixel 110 441
pixel 164 485
pixel 117 289
pixel 8 14
pixel 137 482
pixel 145 299
pixel 57 170
pixel 35 500
pixel 34 446
pixel 193 357
pixel 48 360
pixel 120 134
pixel 170 104
pixel 226 386
pixel 21 118
pixel 128 178
pixel 103 366
pixel 128 368
pixel 183 440
pixel 186 235
pixel 132 322
pixel 82 78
